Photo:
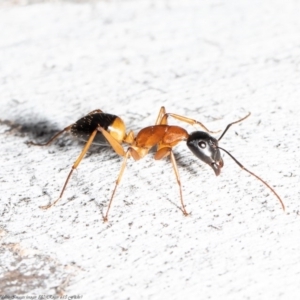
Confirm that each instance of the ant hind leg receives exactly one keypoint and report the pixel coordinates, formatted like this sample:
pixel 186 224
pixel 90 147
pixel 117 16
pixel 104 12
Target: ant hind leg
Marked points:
pixel 52 139
pixel 75 165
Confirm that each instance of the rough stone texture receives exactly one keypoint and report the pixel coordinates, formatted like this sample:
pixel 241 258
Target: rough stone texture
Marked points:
pixel 210 60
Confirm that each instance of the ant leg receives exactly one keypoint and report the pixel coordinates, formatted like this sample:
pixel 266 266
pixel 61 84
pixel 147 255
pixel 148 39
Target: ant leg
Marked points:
pixel 174 164
pixel 53 138
pixel 161 114
pixel 185 120
pixel 77 162
pixel 120 151
pixel 113 142
pixel 161 120
pixel 229 125
pixel 130 152
pixel 105 218
pixel 163 152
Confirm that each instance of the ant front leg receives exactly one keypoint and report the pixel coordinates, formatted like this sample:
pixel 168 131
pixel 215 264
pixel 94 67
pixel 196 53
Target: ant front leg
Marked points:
pixel 164 152
pixel 163 120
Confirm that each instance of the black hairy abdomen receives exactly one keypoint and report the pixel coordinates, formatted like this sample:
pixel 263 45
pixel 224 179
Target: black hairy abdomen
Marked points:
pixel 85 126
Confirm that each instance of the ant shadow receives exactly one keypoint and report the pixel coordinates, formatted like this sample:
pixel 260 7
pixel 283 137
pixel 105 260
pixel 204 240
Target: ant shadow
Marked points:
pixel 43 131
pixel 32 130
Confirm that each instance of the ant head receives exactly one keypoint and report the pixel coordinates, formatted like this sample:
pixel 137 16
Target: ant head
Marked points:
pixel 205 147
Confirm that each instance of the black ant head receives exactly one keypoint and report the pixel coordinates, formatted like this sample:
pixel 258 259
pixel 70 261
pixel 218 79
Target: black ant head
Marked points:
pixel 205 147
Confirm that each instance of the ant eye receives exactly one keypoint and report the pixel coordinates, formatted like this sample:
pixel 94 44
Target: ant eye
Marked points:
pixel 202 145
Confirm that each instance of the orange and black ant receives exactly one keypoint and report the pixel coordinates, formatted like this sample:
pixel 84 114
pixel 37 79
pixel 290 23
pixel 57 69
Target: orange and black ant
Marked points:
pixel 108 129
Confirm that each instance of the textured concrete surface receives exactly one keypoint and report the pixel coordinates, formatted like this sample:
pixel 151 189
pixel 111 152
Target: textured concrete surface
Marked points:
pixel 208 60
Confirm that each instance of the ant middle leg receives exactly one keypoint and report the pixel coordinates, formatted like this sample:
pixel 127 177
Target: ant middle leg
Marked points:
pixel 129 153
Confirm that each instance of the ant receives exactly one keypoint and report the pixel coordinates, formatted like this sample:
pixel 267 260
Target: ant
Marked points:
pixel 108 129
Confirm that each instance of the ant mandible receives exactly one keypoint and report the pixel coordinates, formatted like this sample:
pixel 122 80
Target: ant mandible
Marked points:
pixel 109 129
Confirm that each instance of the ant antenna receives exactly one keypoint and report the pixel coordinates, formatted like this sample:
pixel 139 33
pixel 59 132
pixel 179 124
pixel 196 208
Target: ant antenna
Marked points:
pixel 242 167
pixel 229 125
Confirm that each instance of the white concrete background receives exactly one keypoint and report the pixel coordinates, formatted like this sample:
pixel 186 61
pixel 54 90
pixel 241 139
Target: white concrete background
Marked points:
pixel 210 60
